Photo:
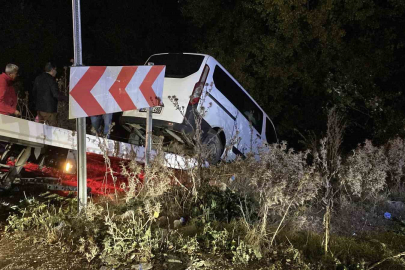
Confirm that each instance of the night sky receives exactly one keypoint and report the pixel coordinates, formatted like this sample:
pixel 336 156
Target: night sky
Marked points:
pixel 34 32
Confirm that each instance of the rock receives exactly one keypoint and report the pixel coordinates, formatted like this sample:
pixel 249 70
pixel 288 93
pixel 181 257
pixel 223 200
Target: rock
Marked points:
pixel 222 186
pixel 177 224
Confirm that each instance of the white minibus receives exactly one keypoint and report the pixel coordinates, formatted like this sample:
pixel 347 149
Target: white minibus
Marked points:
pixel 234 123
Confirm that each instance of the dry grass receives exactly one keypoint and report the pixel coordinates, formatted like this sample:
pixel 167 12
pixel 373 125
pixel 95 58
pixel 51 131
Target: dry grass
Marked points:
pixel 261 213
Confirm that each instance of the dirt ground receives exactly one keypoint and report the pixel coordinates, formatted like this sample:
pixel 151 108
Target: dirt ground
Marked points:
pixel 17 254
pixel 24 253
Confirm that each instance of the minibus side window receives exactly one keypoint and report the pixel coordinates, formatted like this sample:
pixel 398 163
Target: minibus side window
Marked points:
pixel 227 86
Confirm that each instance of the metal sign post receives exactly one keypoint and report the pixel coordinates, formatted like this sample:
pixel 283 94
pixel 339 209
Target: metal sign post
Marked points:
pixel 148 137
pixel 80 122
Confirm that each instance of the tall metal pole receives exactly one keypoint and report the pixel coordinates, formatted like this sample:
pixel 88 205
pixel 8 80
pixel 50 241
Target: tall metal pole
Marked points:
pixel 148 135
pixel 80 122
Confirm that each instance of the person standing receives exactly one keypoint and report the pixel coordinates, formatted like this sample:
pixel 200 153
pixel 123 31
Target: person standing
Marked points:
pixel 96 124
pixel 8 96
pixel 47 95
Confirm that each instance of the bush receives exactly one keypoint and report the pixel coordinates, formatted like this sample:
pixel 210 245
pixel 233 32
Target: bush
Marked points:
pixel 129 239
pixel 366 171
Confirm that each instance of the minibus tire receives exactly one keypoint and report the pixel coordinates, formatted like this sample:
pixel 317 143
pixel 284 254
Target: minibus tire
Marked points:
pixel 212 141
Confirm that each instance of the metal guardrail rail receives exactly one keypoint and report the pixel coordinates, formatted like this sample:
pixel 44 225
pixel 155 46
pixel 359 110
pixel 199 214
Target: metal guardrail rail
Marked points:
pixel 37 135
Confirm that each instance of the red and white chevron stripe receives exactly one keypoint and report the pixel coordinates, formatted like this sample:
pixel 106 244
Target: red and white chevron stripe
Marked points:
pixel 96 90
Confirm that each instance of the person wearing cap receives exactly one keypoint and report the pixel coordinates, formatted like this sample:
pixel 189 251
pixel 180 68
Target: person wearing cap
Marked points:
pixel 8 96
pixel 47 95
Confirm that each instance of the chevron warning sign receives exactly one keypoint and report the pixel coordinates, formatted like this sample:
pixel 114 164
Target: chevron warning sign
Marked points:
pixel 96 90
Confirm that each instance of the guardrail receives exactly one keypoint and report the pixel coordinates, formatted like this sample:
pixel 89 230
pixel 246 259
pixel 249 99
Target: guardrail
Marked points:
pixel 25 132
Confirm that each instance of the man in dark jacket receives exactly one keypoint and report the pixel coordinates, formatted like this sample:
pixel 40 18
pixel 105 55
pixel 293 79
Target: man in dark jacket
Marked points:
pixel 47 95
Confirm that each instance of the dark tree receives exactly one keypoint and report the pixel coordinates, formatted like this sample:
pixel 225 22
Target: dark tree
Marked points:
pixel 298 58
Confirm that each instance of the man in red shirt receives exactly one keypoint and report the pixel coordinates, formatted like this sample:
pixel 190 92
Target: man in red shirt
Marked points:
pixel 8 96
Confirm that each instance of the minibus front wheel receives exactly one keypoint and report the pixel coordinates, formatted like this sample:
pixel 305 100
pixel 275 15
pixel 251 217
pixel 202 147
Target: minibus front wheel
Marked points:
pixel 214 147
